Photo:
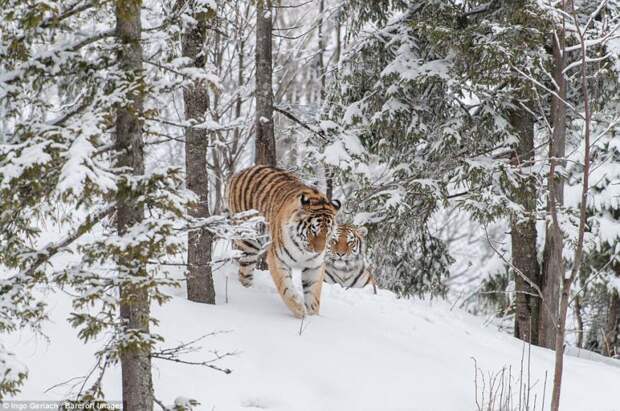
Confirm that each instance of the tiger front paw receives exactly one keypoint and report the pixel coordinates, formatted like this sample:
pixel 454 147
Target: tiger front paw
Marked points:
pixel 246 280
pixel 312 307
pixel 296 305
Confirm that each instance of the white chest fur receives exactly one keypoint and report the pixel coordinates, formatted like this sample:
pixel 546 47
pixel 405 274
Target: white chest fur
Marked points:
pixel 346 268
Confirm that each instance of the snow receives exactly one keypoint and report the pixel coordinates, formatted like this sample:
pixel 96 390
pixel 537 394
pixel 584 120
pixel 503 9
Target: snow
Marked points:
pixel 32 153
pixel 339 152
pixel 364 352
pixel 614 283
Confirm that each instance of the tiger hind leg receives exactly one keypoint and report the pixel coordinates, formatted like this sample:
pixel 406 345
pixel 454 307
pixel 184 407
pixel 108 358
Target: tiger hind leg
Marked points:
pixel 247 261
pixel 283 279
pixel 312 282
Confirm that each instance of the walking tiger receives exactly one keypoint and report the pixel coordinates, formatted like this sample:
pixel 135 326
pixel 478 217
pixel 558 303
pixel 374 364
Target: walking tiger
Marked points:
pixel 300 220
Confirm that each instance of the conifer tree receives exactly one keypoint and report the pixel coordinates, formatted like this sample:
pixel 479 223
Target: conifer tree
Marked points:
pixel 79 105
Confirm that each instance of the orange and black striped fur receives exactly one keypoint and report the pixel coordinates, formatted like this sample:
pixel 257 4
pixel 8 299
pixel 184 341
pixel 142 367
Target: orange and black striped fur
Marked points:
pixel 345 263
pixel 300 221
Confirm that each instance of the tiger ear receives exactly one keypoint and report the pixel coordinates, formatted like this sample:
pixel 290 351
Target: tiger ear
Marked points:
pixel 304 200
pixel 363 231
pixel 337 204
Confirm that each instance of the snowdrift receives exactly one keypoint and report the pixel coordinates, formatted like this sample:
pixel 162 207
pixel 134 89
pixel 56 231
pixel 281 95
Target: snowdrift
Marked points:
pixel 364 352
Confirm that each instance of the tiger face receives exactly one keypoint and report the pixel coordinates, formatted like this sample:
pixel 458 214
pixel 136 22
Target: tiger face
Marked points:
pixel 348 244
pixel 315 220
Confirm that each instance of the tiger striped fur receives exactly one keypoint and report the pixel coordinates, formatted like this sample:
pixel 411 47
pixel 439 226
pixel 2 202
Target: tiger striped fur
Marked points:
pixel 345 263
pixel 300 221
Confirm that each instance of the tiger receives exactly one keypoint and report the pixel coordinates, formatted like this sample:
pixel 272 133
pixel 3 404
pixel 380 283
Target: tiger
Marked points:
pixel 300 221
pixel 345 263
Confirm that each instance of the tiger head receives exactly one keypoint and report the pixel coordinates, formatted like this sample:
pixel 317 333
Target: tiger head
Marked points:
pixel 348 243
pixel 315 219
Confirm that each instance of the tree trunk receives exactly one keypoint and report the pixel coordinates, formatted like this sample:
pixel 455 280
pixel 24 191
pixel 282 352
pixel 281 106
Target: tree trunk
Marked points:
pixel 135 306
pixel 523 234
pixel 322 71
pixel 579 320
pixel 553 262
pixel 568 282
pixel 199 277
pixel 612 332
pixel 559 344
pixel 329 179
pixel 265 143
pixel 231 157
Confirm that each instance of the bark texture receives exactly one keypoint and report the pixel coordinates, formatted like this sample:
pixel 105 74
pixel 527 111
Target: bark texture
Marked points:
pixel 265 143
pixel 579 321
pixel 329 179
pixel 523 234
pixel 568 282
pixel 553 262
pixel 196 98
pixel 612 333
pixel 135 305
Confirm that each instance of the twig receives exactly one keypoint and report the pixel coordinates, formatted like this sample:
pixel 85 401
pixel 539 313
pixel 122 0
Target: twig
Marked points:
pixel 542 406
pixel 520 273
pixel 201 363
pixel 301 325
pixel 476 383
pixel 290 116
pixel 172 354
pixel 52 249
pixel 161 404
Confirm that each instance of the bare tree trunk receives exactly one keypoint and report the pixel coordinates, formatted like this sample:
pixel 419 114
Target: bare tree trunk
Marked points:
pixel 265 139
pixel 568 282
pixel 329 181
pixel 265 143
pixel 612 332
pixel 217 153
pixel 199 278
pixel 553 262
pixel 579 319
pixel 232 151
pixel 135 305
pixel 523 235
pixel 320 30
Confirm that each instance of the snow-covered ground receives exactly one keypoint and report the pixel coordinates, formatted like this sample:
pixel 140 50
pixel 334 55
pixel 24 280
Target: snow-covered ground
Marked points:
pixel 364 352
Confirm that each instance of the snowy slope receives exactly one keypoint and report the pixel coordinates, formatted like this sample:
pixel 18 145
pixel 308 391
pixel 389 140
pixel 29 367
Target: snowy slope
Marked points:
pixel 364 352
